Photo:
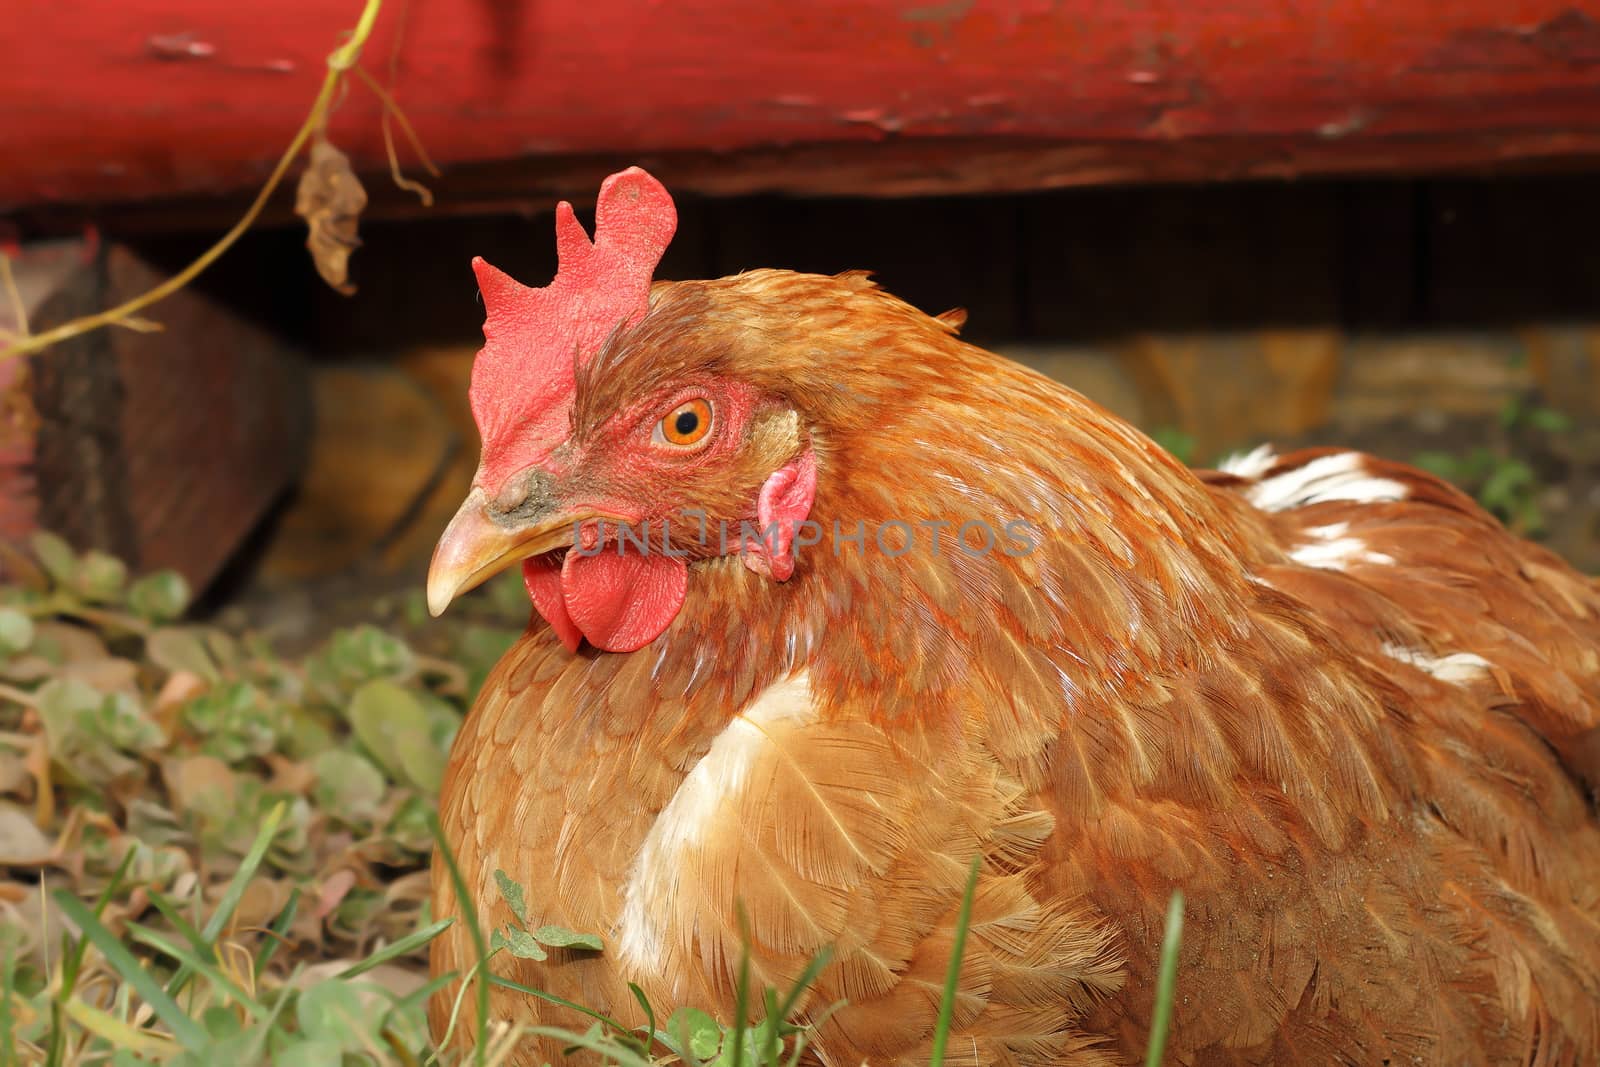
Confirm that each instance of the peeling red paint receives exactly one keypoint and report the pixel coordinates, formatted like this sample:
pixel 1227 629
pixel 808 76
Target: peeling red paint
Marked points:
pixel 1570 37
pixel 126 99
pixel 948 12
pixel 179 46
pixel 1345 126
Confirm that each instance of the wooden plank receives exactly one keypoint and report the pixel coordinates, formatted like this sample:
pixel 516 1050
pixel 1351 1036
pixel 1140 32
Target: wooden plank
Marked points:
pixel 42 279
pixel 123 99
pixel 163 448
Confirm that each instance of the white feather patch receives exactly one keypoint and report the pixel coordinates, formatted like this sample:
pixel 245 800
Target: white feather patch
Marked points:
pixel 1331 550
pixel 1252 464
pixel 1337 477
pixel 1457 668
pixel 719 778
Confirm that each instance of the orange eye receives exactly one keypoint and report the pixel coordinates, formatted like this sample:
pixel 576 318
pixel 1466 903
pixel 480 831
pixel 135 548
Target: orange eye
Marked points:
pixel 685 425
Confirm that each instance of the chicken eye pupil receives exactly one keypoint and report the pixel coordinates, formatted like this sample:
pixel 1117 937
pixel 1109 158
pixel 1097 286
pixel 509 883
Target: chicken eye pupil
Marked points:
pixel 686 423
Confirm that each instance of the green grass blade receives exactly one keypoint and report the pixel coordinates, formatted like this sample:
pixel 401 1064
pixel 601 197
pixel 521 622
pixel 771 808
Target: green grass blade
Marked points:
pixel 72 953
pixel 198 964
pixel 73 961
pixel 803 1038
pixel 621 1055
pixel 803 983
pixel 402 947
pixel 170 910
pixel 247 870
pixel 469 912
pixel 551 998
pixel 1166 982
pixel 253 1053
pixel 235 891
pixel 279 932
pixel 741 997
pixel 947 1003
pixel 649 1013
pixel 417 999
pixel 116 1032
pixel 187 1032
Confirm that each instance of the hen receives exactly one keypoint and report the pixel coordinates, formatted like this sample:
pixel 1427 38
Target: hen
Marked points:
pixel 831 602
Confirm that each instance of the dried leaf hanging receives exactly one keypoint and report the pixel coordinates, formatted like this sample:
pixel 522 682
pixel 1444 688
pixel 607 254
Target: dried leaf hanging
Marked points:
pixel 330 198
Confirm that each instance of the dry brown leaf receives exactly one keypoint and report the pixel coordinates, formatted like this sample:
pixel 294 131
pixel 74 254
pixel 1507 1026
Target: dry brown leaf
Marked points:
pixel 262 900
pixel 13 773
pixel 411 888
pixel 121 912
pixel 179 688
pixel 38 920
pixel 106 673
pixel 22 843
pixel 29 669
pixel 333 890
pixel 330 198
pixel 290 776
pixel 36 761
pixel 398 979
pixel 76 642
pixel 184 885
pixel 195 777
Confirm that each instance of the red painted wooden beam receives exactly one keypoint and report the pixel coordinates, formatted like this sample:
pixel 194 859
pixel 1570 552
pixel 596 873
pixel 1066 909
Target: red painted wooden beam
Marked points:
pixel 112 100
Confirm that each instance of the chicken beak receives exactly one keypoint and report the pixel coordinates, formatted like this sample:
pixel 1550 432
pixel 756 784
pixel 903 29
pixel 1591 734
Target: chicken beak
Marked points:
pixel 477 545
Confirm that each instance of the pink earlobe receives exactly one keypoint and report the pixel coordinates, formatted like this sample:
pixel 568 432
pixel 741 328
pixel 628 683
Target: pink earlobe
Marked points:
pixel 785 502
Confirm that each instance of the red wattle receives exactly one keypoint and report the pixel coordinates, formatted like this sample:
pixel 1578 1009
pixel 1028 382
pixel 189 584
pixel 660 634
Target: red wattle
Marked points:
pixel 622 602
pixel 542 576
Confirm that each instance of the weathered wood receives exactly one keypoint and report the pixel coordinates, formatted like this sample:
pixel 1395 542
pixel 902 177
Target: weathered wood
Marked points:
pixel 389 464
pixel 126 99
pixel 164 448
pixel 61 463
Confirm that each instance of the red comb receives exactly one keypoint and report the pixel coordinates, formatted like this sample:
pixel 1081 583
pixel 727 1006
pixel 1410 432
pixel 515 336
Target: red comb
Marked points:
pixel 535 339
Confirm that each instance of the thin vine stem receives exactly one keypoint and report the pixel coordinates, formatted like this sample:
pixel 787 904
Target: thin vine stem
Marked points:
pixel 339 63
